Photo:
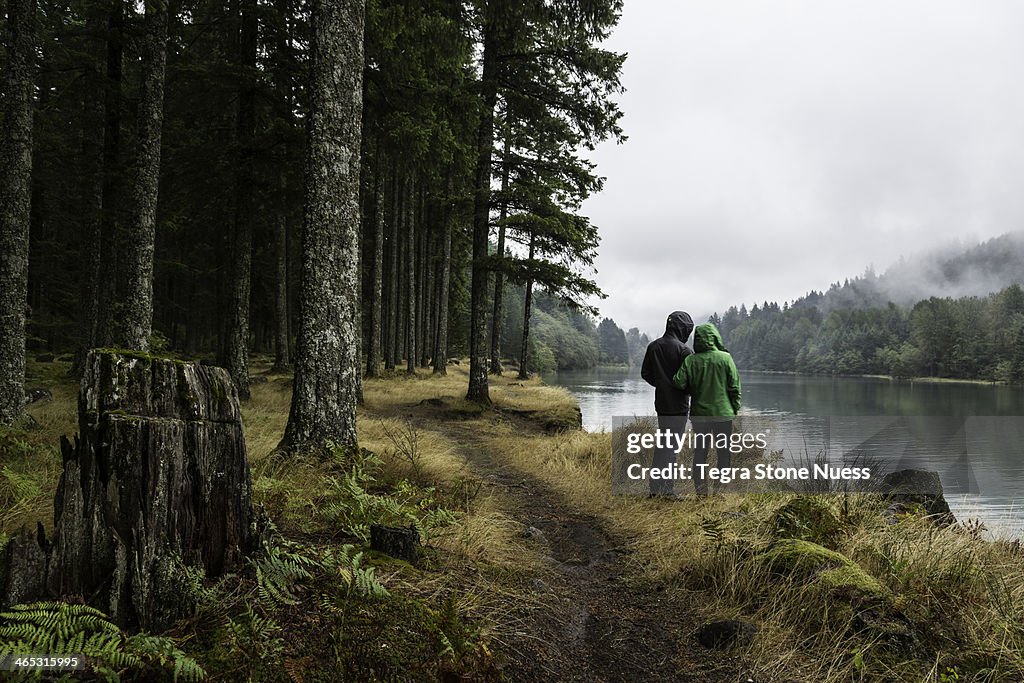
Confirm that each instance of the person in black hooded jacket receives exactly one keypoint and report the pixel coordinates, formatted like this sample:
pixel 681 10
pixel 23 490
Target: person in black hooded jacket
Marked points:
pixel 663 358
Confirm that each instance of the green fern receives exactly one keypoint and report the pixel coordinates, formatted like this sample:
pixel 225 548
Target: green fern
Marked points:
pixel 714 531
pixel 257 637
pixel 163 653
pixel 195 583
pixel 62 628
pixel 357 579
pixel 457 638
pixel 348 503
pixel 15 486
pixel 253 628
pixel 279 570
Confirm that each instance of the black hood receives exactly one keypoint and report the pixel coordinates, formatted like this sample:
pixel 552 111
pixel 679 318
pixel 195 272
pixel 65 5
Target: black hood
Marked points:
pixel 679 325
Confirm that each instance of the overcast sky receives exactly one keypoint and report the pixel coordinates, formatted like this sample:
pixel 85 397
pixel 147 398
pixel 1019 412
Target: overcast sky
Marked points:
pixel 775 147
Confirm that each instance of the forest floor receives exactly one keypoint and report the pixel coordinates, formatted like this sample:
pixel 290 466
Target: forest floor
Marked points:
pixel 533 571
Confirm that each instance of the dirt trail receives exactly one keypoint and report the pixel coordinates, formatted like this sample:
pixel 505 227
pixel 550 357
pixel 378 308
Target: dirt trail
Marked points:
pixel 597 621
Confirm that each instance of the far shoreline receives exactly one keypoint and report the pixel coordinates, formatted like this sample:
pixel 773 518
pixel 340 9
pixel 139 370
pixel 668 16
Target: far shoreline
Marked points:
pixel 890 378
pixel 795 373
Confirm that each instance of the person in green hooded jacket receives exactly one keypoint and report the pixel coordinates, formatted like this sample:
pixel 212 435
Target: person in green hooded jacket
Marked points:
pixel 710 376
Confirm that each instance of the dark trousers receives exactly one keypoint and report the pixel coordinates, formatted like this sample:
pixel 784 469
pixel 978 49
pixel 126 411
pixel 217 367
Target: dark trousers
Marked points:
pixel 663 457
pixel 705 433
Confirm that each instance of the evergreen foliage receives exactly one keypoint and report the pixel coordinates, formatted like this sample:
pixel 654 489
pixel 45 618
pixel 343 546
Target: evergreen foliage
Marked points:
pixel 236 105
pixel 963 338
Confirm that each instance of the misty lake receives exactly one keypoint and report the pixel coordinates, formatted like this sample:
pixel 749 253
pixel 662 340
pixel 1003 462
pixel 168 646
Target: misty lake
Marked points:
pixel 988 419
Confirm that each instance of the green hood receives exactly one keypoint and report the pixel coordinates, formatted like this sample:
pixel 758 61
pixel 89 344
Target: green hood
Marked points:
pixel 707 338
pixel 709 376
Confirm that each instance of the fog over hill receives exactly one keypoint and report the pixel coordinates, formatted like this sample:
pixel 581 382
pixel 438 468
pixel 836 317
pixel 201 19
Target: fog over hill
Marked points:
pixel 971 271
pixel 953 270
pixel 955 312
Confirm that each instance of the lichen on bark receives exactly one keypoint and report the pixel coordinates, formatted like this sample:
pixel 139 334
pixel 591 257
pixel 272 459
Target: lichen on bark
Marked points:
pixel 15 197
pixel 325 391
pixel 137 306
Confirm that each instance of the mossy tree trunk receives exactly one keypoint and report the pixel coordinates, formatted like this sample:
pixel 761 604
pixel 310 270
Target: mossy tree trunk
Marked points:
pixel 15 199
pixel 478 387
pixel 137 306
pixel 93 146
pixel 443 285
pixel 410 276
pixel 498 315
pixel 282 355
pixel 391 348
pixel 282 319
pixel 425 283
pixel 113 181
pixel 524 352
pixel 324 396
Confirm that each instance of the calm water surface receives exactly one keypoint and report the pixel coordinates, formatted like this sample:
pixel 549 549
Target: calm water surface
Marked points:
pixel 987 485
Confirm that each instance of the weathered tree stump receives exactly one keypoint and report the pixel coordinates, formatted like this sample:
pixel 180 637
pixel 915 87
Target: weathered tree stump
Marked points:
pixel 157 480
pixel 400 542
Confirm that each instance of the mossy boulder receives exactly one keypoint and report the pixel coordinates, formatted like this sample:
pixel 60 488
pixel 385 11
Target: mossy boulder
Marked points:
pixel 807 518
pixel 850 582
pixel 835 574
pixel 793 556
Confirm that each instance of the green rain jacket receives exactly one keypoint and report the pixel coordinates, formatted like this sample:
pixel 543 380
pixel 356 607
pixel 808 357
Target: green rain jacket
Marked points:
pixel 709 376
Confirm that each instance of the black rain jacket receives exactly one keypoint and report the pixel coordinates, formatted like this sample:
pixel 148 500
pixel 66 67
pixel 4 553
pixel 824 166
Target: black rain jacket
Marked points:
pixel 664 356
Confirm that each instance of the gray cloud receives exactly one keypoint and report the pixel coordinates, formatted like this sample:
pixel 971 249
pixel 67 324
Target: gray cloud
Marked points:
pixel 778 147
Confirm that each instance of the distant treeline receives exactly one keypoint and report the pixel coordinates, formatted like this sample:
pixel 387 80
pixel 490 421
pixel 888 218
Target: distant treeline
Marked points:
pixel 563 337
pixel 968 337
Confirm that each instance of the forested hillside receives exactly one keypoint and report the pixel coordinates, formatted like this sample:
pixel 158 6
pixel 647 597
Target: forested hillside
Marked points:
pixel 562 337
pixel 898 323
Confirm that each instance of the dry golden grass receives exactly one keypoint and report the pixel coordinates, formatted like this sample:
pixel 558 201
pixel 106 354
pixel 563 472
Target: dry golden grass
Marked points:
pixel 485 533
pixel 962 594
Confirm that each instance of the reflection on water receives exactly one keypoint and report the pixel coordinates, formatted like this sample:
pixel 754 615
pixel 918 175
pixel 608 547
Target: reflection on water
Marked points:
pixel 987 486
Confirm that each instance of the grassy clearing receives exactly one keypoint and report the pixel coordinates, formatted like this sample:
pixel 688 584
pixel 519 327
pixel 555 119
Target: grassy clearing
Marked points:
pixel 30 460
pixel 839 593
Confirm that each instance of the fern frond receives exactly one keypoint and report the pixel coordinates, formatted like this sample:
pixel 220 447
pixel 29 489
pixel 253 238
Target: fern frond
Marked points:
pixel 279 569
pixel 346 565
pixel 62 627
